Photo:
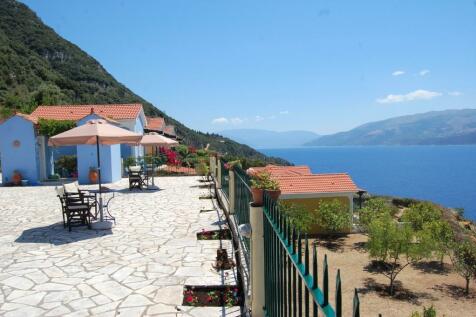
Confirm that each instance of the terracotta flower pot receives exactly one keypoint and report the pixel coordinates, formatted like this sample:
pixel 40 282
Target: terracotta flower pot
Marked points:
pixel 257 194
pixel 16 178
pixel 93 176
pixel 274 194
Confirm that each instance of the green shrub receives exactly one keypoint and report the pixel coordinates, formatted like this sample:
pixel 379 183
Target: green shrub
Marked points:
pixel 130 161
pixel 68 163
pixel 375 208
pixel 299 217
pixel 404 202
pixel 50 128
pixel 333 216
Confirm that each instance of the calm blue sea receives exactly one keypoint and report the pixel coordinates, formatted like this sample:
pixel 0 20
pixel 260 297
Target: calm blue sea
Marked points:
pixel 444 174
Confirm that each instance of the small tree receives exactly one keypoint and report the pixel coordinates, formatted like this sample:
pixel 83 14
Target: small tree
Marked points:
pixel 333 216
pixel 374 208
pixel 298 216
pixel 394 245
pixel 421 213
pixel 464 261
pixel 438 236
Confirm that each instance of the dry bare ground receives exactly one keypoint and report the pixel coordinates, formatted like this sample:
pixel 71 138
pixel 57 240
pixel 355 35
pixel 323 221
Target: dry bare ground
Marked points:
pixel 422 285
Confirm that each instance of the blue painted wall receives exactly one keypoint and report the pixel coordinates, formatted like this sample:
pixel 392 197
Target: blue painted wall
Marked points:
pixel 135 151
pixel 23 158
pixel 110 162
pixel 87 158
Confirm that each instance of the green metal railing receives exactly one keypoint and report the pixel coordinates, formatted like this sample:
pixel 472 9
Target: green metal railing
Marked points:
pixel 242 204
pixel 225 180
pixel 290 273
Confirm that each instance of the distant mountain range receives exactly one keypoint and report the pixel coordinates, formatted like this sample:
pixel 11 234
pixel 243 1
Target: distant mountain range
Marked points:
pixel 269 139
pixel 436 127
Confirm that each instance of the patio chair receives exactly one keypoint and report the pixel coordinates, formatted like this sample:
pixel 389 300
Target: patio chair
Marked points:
pixel 75 212
pixel 137 178
pixel 73 191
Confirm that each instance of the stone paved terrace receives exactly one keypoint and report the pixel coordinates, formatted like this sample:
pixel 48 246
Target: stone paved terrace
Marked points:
pixel 137 269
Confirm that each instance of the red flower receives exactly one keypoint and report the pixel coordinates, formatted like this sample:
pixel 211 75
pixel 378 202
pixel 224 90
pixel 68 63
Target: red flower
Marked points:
pixel 189 299
pixel 209 298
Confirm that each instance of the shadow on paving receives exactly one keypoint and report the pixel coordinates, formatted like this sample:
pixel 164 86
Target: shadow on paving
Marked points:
pixel 58 235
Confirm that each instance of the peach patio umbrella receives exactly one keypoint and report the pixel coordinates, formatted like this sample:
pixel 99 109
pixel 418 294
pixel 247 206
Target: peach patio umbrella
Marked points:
pixel 95 132
pixel 155 139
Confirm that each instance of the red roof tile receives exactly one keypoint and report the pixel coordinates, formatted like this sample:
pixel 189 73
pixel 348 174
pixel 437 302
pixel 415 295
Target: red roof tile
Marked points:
pixel 169 130
pixel 155 123
pixel 76 112
pixel 275 170
pixel 316 183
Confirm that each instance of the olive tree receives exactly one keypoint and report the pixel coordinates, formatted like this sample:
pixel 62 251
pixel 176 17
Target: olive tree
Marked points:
pixel 438 236
pixel 419 214
pixel 395 246
pixel 464 261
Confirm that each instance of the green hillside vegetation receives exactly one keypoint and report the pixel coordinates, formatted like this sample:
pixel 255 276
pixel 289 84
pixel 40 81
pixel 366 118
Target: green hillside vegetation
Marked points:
pixel 37 66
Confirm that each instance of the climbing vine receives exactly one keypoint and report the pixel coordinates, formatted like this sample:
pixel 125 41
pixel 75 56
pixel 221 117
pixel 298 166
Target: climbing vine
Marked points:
pixel 49 127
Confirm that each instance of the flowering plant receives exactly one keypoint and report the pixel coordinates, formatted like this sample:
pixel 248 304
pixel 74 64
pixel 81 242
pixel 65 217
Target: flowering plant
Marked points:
pixel 189 297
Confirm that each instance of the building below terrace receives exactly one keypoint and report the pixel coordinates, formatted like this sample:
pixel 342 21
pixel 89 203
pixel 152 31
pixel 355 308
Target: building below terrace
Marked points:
pixel 300 186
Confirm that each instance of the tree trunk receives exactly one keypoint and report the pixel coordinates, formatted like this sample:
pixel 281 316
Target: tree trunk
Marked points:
pixel 392 279
pixel 467 286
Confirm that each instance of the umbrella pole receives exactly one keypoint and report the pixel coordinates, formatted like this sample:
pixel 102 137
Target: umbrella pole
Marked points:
pixel 101 218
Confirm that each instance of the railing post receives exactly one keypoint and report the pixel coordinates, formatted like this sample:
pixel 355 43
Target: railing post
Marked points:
pixel 218 178
pixel 257 262
pixel 213 166
pixel 231 192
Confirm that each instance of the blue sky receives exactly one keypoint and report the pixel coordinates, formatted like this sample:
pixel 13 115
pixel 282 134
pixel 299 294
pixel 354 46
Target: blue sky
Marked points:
pixel 324 66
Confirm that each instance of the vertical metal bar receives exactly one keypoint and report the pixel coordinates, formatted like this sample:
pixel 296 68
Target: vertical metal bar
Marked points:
pixel 325 285
pixel 299 249
pixel 294 291
pixel 314 278
pixel 356 305
pixel 306 273
pixel 338 297
pixel 290 292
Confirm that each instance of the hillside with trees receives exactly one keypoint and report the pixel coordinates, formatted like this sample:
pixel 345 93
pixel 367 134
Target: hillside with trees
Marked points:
pixel 37 66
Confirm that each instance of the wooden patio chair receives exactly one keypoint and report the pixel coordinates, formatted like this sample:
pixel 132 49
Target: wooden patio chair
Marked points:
pixel 137 178
pixel 75 211
pixel 73 191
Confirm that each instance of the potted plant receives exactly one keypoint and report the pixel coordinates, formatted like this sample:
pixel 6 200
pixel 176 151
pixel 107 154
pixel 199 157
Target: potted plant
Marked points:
pixel 93 175
pixel 260 181
pixel 272 188
pixel 16 178
pixel 231 164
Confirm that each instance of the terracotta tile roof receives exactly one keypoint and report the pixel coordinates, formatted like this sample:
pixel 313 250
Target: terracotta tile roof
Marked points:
pixel 155 123
pixel 275 170
pixel 169 130
pixel 23 115
pixel 316 183
pixel 76 112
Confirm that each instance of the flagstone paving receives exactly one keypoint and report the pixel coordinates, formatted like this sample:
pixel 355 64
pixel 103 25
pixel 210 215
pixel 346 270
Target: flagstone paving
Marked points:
pixel 136 269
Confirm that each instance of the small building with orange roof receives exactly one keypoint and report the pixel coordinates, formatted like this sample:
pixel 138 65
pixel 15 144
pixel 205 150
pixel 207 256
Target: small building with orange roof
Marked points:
pixel 300 186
